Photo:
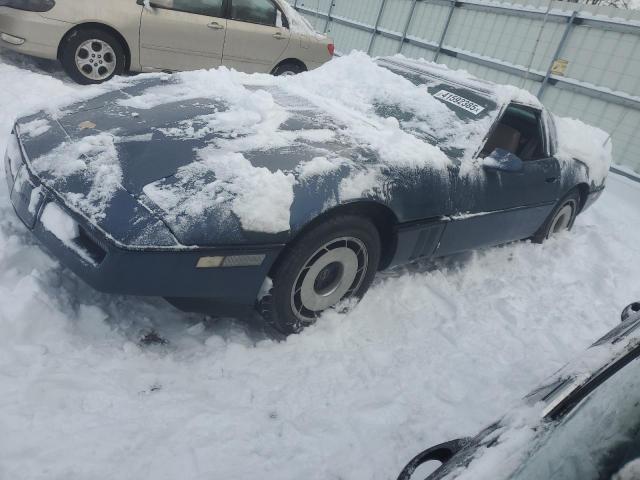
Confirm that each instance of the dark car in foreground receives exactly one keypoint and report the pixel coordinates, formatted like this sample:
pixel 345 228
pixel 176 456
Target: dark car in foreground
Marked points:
pixel 222 191
pixel 582 424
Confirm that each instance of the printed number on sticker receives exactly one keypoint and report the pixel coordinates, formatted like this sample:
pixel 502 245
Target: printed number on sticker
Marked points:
pixel 459 101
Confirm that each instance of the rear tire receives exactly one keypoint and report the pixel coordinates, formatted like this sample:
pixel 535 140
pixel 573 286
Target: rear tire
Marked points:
pixel 288 69
pixel 91 56
pixel 335 261
pixel 561 219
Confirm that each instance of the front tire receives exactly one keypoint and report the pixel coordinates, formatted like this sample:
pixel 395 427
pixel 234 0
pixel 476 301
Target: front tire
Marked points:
pixel 91 56
pixel 561 219
pixel 335 261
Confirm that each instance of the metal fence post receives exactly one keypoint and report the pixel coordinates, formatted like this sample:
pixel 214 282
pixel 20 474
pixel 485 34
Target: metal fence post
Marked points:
pixel 407 25
pixel 295 4
pixel 444 31
pixel 375 28
pixel 567 31
pixel 326 25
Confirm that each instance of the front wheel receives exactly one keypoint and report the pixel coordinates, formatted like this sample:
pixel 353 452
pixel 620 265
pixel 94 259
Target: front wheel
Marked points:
pixel 335 261
pixel 561 219
pixel 91 56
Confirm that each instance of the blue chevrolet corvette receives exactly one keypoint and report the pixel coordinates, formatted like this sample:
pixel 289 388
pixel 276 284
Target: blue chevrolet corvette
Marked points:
pixel 224 192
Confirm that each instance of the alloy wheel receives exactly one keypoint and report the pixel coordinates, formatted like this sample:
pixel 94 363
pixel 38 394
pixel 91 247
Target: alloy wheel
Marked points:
pixel 95 59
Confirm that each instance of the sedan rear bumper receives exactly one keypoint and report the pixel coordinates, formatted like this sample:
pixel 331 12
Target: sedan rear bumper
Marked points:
pixel 31 33
pixel 177 273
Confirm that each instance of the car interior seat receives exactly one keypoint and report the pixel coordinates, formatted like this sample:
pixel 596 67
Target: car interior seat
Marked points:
pixel 505 137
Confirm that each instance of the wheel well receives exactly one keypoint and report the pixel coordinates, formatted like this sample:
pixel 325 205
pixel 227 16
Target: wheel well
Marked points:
pixel 103 27
pixel 583 189
pixel 380 215
pixel 294 61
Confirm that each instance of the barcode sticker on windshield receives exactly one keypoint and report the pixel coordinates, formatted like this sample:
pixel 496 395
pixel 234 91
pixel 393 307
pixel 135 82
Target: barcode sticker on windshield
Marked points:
pixel 459 101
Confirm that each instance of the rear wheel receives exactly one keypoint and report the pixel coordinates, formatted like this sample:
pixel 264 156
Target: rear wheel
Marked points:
pixel 91 56
pixel 288 69
pixel 561 219
pixel 334 261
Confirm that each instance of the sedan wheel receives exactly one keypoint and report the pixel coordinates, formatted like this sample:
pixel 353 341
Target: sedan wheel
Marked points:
pixel 96 59
pixel 335 261
pixel 91 56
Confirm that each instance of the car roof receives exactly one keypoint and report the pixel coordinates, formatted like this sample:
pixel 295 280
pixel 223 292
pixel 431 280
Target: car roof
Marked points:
pixel 500 94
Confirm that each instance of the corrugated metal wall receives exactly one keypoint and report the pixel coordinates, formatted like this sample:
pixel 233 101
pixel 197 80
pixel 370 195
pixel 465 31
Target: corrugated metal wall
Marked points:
pixel 513 43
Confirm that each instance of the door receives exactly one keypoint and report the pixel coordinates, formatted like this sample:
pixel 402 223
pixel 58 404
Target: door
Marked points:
pixel 256 36
pixel 182 34
pixel 498 204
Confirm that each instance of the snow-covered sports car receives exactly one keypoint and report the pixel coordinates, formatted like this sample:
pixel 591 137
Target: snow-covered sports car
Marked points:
pixel 221 191
pixel 582 424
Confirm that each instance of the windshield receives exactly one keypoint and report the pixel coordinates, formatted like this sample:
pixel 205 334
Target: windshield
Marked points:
pixel 458 129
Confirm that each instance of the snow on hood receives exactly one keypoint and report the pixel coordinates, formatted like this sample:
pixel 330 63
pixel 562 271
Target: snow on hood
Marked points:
pixel 585 143
pixel 93 157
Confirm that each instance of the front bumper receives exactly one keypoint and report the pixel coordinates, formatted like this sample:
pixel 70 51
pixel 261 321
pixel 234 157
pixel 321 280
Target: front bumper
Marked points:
pixel 31 33
pixel 111 268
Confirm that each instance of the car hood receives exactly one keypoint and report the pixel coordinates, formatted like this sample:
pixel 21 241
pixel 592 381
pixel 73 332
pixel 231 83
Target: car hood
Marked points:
pixel 110 158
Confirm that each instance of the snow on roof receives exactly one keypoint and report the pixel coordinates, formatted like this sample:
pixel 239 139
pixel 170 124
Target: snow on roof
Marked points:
pixel 585 143
pixel 297 23
pixel 501 93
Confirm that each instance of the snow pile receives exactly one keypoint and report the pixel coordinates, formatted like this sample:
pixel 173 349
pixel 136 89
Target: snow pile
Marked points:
pixel 319 166
pixel 364 97
pixel 502 93
pixel 55 220
pixel 95 159
pixel 590 145
pixel 631 471
pixel 227 183
pixel 35 128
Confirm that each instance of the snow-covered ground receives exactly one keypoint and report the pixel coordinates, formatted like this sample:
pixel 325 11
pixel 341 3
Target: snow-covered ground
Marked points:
pixel 435 351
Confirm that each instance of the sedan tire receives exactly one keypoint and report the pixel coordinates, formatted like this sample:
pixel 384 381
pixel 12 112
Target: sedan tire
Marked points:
pixel 335 261
pixel 561 219
pixel 288 69
pixel 92 56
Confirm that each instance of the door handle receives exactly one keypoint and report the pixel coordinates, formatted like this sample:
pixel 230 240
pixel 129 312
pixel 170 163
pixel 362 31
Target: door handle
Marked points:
pixel 215 26
pixel 552 180
pixel 279 36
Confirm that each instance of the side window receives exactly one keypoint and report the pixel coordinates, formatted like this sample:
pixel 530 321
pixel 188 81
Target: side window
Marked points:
pixel 520 132
pixel 211 8
pixel 262 12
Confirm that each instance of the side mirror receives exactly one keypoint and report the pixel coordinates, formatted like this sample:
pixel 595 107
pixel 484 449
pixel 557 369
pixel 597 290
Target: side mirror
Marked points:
pixel 503 161
pixel 630 311
pixel 440 453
